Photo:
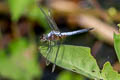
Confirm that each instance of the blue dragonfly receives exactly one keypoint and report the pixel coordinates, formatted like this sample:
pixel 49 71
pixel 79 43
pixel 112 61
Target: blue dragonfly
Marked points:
pixel 55 36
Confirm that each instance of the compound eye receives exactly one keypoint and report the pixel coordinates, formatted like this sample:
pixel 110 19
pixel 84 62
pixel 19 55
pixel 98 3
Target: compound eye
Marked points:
pixel 43 38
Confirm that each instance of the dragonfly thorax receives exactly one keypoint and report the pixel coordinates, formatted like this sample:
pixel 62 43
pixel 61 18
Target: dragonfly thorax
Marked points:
pixel 53 35
pixel 57 33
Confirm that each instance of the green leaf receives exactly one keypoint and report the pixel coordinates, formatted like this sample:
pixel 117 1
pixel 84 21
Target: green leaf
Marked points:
pixel 108 73
pixel 65 75
pixel 17 7
pixel 74 58
pixel 29 8
pixel 117 45
pixel 21 63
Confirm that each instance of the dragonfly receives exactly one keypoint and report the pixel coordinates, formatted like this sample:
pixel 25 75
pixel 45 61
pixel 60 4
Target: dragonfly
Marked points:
pixel 55 35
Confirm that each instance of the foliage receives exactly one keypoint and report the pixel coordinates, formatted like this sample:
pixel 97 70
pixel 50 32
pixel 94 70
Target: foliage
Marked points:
pixel 112 11
pixel 117 45
pixel 17 7
pixel 65 75
pixel 76 59
pixel 108 73
pixel 19 61
pixel 29 8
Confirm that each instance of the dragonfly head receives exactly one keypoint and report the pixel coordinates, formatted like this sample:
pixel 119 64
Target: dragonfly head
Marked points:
pixel 43 38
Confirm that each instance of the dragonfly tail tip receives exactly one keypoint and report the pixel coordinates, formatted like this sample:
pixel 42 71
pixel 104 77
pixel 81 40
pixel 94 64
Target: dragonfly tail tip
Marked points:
pixel 90 28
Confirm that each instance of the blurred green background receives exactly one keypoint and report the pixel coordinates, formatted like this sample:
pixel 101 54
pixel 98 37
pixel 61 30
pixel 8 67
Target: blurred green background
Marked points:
pixel 22 23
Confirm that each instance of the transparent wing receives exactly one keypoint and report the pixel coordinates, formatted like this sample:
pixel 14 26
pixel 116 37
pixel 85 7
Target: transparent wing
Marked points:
pixel 50 20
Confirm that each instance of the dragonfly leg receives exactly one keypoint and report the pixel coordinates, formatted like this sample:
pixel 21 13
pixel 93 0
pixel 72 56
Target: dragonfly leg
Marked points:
pixel 48 52
pixel 49 44
pixel 53 68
